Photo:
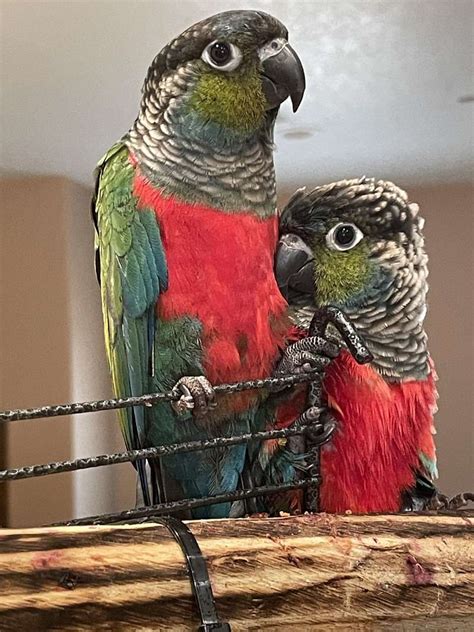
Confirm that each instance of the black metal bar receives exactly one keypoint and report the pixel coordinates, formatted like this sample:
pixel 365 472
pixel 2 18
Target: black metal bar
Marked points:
pixel 316 397
pixel 24 414
pixel 164 509
pixel 311 496
pixel 59 467
pixel 198 574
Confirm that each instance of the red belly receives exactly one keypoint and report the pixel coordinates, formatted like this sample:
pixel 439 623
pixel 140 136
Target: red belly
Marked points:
pixel 220 268
pixel 382 430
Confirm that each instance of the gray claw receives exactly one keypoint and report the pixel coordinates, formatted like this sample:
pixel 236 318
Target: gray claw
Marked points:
pixel 307 355
pixel 196 395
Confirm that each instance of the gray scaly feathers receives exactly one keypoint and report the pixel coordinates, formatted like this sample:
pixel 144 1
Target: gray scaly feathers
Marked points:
pixel 392 316
pixel 227 172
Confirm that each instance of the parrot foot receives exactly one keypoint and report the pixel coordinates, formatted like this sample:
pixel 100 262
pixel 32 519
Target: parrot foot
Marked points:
pixel 321 426
pixel 196 395
pixel 442 502
pixel 321 430
pixel 314 352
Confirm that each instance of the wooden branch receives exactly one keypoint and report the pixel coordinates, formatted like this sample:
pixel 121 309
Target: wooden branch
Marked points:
pixel 298 573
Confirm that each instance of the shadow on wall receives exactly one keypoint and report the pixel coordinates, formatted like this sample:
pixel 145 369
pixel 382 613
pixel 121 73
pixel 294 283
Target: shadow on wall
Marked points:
pixel 449 213
pixel 52 348
pixel 52 352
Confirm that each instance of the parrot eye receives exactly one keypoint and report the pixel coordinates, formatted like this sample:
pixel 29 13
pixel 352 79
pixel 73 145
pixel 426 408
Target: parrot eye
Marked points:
pixel 222 55
pixel 343 236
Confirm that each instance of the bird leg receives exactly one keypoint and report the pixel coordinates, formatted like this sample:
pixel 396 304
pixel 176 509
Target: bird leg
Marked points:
pixel 196 395
pixel 308 354
pixel 314 352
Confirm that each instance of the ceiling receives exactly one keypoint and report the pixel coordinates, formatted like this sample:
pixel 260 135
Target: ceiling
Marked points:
pixel 384 81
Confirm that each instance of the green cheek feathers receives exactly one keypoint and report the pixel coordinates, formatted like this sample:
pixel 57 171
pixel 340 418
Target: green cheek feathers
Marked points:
pixel 340 276
pixel 233 101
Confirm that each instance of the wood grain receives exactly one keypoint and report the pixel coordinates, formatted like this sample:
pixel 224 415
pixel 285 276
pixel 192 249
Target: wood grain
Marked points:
pixel 307 573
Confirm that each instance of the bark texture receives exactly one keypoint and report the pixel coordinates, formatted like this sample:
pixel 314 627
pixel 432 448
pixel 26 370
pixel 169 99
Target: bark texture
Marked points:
pixel 403 572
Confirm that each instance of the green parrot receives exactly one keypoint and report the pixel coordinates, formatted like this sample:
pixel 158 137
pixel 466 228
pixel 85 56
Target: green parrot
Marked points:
pixel 185 214
pixel 358 245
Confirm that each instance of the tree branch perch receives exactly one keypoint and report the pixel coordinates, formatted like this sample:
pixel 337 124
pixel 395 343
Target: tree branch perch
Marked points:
pixel 309 572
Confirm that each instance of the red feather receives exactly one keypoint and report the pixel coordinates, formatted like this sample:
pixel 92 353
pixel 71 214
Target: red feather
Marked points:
pixel 220 267
pixel 383 427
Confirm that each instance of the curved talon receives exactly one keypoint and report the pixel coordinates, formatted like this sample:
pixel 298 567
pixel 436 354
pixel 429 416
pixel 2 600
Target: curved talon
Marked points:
pixel 321 425
pixel 197 395
pixel 460 500
pixel 438 502
pixel 308 354
pixel 309 417
pixel 328 425
pixel 346 329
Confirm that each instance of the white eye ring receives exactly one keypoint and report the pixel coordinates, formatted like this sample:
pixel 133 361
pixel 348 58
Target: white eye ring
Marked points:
pixel 235 56
pixel 343 236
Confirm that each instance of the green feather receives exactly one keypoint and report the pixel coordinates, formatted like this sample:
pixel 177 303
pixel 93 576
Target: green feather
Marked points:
pixel 340 276
pixel 429 465
pixel 234 101
pixel 132 274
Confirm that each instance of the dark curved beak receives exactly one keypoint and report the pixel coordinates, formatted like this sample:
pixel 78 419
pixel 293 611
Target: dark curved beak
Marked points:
pixel 294 265
pixel 283 74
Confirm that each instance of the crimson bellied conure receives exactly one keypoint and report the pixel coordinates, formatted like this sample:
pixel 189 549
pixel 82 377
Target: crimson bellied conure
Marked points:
pixel 358 245
pixel 185 212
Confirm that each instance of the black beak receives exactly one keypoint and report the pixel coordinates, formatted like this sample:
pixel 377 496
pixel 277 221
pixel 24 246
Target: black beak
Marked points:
pixel 294 266
pixel 283 74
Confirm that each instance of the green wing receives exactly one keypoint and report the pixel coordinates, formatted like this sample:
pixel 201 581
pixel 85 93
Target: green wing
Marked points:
pixel 131 268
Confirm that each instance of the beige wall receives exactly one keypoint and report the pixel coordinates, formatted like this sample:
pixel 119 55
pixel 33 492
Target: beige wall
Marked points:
pixel 449 213
pixel 51 345
pixel 35 370
pixel 52 352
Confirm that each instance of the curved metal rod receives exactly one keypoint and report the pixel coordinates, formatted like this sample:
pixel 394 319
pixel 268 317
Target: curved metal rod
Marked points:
pixel 355 343
pixel 198 574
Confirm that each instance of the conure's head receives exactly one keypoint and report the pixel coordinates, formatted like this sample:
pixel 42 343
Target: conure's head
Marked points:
pixel 226 75
pixel 352 244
